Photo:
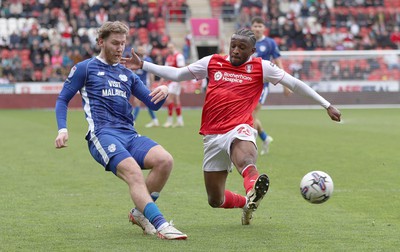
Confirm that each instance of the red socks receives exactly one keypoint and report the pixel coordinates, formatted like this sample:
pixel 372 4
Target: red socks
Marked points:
pixel 233 200
pixel 178 110
pixel 250 175
pixel 170 108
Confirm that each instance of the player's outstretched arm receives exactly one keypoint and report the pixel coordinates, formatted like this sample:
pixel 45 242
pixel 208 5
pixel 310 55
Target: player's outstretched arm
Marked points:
pixel 165 72
pixel 334 113
pixel 300 87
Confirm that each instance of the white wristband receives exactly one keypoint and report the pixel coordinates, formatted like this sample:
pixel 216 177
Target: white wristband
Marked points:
pixel 63 130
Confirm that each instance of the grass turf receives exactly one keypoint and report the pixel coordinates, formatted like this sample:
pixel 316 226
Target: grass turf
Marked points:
pixel 62 200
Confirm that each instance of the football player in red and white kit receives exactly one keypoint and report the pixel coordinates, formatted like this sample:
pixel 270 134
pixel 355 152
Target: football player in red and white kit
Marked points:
pixel 174 59
pixel 235 85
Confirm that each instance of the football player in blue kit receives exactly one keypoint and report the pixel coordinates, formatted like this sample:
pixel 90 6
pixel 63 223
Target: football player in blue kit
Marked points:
pixel 267 49
pixel 106 87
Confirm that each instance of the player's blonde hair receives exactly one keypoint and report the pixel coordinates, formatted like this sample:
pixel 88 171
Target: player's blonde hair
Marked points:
pixel 111 27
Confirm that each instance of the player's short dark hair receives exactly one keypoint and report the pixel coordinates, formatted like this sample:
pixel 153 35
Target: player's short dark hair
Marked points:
pixel 258 20
pixel 247 33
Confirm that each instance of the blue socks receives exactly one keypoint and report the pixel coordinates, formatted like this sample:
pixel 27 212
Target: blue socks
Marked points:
pixel 153 214
pixel 136 111
pixel 263 135
pixel 155 195
pixel 152 114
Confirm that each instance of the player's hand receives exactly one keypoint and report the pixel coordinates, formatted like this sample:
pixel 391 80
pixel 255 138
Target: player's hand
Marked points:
pixel 334 113
pixel 133 62
pixel 61 140
pixel 287 91
pixel 159 93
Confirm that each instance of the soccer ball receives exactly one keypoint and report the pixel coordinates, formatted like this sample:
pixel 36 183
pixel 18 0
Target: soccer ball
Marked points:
pixel 316 187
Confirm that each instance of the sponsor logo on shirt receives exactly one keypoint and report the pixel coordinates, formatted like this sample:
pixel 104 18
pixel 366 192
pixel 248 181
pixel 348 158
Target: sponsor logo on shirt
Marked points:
pixel 114 83
pixel 232 77
pixel 100 73
pixel 115 90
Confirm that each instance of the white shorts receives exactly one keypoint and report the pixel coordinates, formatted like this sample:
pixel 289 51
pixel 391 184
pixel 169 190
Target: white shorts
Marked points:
pixel 217 147
pixel 174 88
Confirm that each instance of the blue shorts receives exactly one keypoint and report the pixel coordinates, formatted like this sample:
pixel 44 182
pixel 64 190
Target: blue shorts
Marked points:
pixel 264 94
pixel 110 146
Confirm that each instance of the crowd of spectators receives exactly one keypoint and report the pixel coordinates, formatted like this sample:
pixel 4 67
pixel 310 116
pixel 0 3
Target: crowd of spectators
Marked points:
pixel 322 24
pixel 337 25
pixel 41 40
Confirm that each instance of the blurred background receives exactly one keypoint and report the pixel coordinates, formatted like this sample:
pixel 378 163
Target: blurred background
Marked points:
pixel 348 49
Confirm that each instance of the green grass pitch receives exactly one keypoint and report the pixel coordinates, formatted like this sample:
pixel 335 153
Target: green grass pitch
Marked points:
pixel 62 200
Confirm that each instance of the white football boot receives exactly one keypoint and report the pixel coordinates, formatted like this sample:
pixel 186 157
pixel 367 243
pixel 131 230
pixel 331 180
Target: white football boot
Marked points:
pixel 137 218
pixel 169 232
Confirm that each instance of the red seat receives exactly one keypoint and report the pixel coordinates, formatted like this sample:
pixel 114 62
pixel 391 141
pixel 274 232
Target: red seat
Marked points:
pixel 160 23
pixel 215 3
pixel 24 54
pixel 5 53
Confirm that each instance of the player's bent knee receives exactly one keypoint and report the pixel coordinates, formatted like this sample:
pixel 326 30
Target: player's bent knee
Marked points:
pixel 214 203
pixel 166 164
pixel 158 157
pixel 165 160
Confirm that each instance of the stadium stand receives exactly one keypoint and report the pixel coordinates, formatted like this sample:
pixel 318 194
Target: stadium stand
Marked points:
pixel 41 40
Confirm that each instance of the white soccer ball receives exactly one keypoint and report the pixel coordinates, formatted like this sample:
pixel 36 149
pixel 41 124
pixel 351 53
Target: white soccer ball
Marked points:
pixel 316 187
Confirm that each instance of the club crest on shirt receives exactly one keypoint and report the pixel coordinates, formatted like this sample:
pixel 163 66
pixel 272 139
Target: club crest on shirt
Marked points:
pixel 263 48
pixel 217 76
pixel 71 73
pixel 249 68
pixel 123 77
pixel 112 148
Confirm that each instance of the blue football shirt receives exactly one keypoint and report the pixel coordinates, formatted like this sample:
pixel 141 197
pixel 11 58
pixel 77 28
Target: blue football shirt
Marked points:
pixel 105 90
pixel 267 49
